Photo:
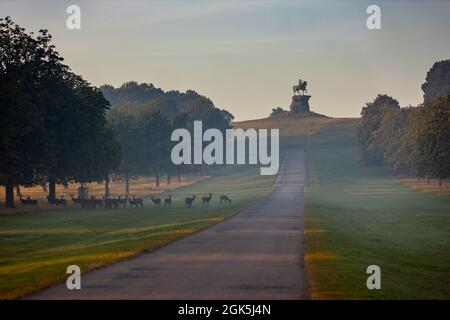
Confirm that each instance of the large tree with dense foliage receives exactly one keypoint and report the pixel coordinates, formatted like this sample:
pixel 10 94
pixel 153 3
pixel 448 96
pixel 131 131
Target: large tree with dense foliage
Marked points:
pixel 144 123
pixel 390 139
pixel 437 81
pixel 53 125
pixel 411 140
pixel 371 152
pixel 26 63
pixel 428 135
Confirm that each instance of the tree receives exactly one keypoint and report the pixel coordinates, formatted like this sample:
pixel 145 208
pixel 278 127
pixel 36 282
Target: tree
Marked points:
pixel 437 82
pixel 390 139
pixel 371 152
pixel 144 128
pixel 155 144
pixel 127 133
pixel 53 121
pixel 25 63
pixel 145 143
pixel 428 133
pixel 130 92
pixel 278 111
pixel 97 151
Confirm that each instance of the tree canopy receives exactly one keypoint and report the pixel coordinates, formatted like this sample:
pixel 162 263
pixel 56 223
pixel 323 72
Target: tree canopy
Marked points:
pixel 412 140
pixel 53 123
pixel 437 81
pixel 145 121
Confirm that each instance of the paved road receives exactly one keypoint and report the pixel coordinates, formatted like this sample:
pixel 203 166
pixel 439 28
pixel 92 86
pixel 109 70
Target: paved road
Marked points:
pixel 257 254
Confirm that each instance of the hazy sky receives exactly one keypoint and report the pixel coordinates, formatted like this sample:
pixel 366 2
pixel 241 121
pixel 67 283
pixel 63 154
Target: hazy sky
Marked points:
pixel 247 55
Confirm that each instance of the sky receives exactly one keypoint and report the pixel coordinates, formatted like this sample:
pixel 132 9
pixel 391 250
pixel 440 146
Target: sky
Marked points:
pixel 246 55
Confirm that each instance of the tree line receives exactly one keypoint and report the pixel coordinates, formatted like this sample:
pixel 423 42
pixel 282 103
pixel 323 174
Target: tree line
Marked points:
pixel 57 128
pixel 143 127
pixel 411 140
pixel 53 124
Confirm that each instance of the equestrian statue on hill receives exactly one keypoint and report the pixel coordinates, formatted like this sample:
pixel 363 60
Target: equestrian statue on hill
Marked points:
pixel 300 89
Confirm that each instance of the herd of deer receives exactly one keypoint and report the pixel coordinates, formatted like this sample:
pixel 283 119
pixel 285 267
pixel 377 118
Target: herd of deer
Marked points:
pixel 107 202
pixel 115 203
pixel 189 200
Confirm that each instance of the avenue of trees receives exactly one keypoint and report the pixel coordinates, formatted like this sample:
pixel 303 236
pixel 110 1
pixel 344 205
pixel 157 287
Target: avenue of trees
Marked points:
pixel 56 128
pixel 53 124
pixel 411 140
pixel 144 117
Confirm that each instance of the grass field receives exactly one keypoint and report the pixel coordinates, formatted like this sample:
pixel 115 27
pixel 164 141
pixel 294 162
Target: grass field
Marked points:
pixel 355 216
pixel 358 216
pixel 37 247
pixel 306 132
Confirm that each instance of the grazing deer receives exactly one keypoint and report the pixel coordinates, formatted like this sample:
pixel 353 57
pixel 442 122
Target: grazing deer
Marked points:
pixel 97 202
pixel 224 198
pixel 205 200
pixel 76 200
pixel 156 201
pixel 136 201
pixel 111 203
pixel 92 202
pixel 50 201
pixel 57 201
pixel 188 201
pixel 28 201
pixel 123 201
pixel 168 201
pixel 61 201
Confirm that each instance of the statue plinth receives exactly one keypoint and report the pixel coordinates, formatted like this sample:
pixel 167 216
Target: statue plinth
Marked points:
pixel 300 104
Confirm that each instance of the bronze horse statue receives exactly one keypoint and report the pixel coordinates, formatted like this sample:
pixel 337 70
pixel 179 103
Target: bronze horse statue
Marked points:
pixel 300 87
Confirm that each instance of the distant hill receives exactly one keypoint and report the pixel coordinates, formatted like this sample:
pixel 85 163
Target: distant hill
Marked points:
pixel 309 131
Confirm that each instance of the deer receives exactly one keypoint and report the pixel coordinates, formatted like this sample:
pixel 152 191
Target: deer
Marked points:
pixel 57 201
pixel 156 201
pixel 76 200
pixel 123 201
pixel 168 201
pixel 224 198
pixel 136 201
pixel 111 203
pixel 28 201
pixel 89 203
pixel 188 201
pixel 61 201
pixel 92 202
pixel 205 200
pixel 51 201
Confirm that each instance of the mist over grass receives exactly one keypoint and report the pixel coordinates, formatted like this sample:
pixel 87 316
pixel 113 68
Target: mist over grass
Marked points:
pixel 37 247
pixel 358 216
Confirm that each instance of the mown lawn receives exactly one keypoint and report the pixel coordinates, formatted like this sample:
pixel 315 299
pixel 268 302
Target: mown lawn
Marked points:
pixel 37 247
pixel 357 216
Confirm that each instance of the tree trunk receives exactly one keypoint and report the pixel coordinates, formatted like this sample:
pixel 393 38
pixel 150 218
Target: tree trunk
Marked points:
pixel 440 181
pixel 127 184
pixel 168 179
pixel 9 196
pixel 107 186
pixel 18 191
pixel 52 189
pixel 428 179
pixel 157 180
pixel 179 177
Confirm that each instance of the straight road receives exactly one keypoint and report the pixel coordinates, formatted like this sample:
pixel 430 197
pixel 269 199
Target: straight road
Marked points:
pixel 257 254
